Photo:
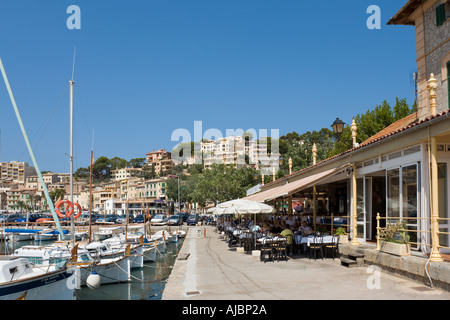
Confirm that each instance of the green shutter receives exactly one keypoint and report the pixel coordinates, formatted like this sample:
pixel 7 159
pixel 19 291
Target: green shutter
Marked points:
pixel 440 14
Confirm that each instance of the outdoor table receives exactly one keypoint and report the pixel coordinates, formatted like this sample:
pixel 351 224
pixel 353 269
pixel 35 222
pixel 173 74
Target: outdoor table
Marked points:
pixel 299 239
pixel 268 239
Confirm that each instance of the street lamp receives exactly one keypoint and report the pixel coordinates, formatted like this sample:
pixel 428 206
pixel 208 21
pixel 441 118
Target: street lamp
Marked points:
pixel 338 127
pixel 178 179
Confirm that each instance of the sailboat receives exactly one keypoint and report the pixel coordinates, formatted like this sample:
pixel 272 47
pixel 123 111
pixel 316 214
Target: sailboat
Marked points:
pixel 112 270
pixel 18 279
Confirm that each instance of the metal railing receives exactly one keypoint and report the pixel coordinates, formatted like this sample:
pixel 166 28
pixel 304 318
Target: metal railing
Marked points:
pixel 413 232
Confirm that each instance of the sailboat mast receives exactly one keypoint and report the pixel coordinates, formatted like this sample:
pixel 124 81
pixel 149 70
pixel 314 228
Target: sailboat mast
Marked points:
pixel 30 150
pixel 90 196
pixel 71 82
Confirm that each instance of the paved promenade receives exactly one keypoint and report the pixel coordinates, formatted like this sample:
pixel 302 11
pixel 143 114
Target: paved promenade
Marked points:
pixel 214 272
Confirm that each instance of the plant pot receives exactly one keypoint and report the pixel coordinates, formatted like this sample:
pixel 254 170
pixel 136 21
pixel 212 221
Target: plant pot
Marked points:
pixel 397 249
pixel 343 238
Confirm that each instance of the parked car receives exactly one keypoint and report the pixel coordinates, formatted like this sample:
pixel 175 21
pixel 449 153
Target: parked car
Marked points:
pixel 122 219
pixel 159 219
pixel 176 220
pixel 110 218
pixel 34 217
pixel 11 218
pixel 193 219
pixel 139 219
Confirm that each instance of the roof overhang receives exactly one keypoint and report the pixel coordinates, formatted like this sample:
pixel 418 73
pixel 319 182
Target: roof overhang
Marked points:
pixel 403 16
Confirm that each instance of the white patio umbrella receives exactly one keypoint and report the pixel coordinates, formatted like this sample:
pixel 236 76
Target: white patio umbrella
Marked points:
pixel 235 202
pixel 255 207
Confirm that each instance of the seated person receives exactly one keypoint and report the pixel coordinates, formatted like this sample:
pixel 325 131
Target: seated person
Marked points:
pixel 304 229
pixel 289 235
pixel 276 229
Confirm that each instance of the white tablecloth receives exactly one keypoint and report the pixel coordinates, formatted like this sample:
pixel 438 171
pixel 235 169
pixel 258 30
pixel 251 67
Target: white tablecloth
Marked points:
pixel 310 239
pixel 270 239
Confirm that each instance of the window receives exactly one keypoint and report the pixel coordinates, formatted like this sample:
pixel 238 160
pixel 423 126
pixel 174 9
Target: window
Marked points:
pixel 440 14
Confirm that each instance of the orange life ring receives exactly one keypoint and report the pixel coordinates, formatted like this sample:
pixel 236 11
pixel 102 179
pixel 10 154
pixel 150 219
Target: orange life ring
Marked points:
pixel 79 210
pixel 68 214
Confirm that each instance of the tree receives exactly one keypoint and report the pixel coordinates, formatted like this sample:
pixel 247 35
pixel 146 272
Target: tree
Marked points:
pixel 57 195
pixel 101 170
pixel 136 163
pixel 372 122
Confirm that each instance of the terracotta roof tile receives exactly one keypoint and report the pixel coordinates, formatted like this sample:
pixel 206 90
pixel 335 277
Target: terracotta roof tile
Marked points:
pixel 399 124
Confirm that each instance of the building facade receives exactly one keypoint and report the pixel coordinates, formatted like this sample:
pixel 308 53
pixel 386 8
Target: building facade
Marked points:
pixel 15 171
pixel 431 19
pixel 160 160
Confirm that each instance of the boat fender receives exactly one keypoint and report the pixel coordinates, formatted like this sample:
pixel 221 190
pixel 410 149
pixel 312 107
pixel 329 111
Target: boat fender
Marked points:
pixel 93 281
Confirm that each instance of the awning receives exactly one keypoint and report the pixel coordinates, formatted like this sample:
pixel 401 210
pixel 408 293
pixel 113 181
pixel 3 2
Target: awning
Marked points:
pixel 295 186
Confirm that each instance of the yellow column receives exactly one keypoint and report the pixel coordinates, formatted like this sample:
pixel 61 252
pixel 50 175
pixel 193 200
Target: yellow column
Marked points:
pixel 354 212
pixel 435 254
pixel 314 152
pixel 290 165
pixel 290 205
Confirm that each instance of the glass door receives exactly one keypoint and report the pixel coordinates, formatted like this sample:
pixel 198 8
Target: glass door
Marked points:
pixel 443 196
pixel 364 207
pixel 393 193
pixel 402 197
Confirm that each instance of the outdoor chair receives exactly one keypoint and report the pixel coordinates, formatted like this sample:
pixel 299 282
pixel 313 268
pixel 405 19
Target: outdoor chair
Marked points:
pixel 315 246
pixel 247 244
pixel 332 247
pixel 266 252
pixel 281 249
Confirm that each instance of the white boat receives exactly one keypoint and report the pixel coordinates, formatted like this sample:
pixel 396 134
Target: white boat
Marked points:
pixel 111 270
pixel 105 233
pixel 19 236
pixel 19 280
pixel 150 253
pixel 168 236
pixel 180 233
pixel 134 234
pixel 114 248
pixel 46 235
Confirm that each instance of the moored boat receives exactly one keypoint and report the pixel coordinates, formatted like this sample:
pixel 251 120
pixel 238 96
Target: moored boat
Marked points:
pixel 20 280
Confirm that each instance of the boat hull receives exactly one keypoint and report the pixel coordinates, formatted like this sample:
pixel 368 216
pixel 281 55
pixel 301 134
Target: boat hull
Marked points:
pixel 150 253
pixel 56 285
pixel 110 270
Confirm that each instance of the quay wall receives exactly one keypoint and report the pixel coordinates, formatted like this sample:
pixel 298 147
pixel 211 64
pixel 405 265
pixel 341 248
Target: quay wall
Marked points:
pixel 418 268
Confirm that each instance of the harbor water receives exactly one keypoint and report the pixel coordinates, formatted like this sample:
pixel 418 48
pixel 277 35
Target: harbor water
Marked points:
pixel 147 283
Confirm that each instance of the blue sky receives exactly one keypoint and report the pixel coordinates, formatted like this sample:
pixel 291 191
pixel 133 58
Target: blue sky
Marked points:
pixel 146 68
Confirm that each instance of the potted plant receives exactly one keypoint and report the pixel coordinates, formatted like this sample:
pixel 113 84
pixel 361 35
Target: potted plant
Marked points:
pixel 343 237
pixel 394 239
